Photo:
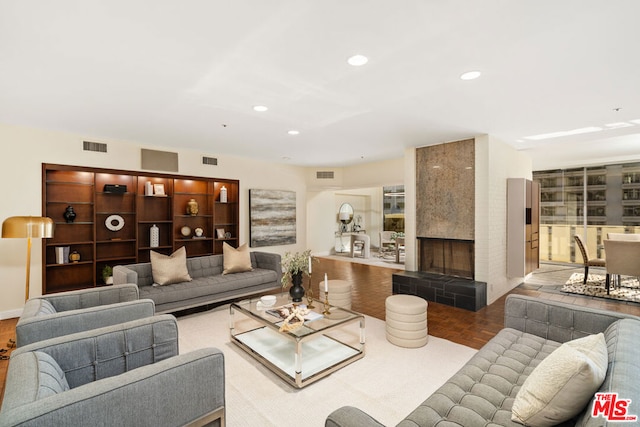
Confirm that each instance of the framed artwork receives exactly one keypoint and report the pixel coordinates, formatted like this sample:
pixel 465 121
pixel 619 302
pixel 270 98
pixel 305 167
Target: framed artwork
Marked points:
pixel 158 189
pixel 220 233
pixel 272 216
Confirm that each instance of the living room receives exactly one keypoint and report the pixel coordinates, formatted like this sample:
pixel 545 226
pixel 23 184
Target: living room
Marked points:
pixel 430 106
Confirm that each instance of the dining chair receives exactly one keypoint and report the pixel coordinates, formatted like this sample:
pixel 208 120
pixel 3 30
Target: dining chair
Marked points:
pixel 386 241
pixel 624 236
pixel 622 259
pixel 588 262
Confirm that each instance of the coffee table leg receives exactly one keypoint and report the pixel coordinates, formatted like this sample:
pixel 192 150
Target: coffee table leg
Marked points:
pixel 231 324
pixel 362 334
pixel 298 363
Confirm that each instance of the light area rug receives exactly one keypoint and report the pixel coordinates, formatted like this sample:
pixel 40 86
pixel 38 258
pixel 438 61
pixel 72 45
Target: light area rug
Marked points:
pixel 629 289
pixel 388 383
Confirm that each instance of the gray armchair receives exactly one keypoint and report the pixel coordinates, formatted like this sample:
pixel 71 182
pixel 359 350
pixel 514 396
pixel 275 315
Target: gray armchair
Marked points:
pixel 64 313
pixel 123 375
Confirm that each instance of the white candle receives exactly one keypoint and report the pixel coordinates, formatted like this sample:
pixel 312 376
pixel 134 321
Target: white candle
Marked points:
pixel 326 283
pixel 309 265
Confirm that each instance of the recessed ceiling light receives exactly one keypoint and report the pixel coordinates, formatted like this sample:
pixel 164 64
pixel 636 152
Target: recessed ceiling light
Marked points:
pixel 470 75
pixel 357 60
pixel 260 108
pixel 293 132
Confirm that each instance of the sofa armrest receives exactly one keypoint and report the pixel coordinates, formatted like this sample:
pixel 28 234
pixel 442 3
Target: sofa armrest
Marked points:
pixel 349 416
pixel 556 321
pixel 42 327
pixel 101 353
pixel 269 261
pixel 122 275
pixel 176 391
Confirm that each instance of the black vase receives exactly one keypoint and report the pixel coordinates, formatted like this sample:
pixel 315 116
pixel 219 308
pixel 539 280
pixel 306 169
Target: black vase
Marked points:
pixel 296 291
pixel 69 214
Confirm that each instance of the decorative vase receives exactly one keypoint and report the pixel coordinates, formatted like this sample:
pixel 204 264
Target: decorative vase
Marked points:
pixel 192 207
pixel 223 194
pixel 69 214
pixel 154 236
pixel 296 291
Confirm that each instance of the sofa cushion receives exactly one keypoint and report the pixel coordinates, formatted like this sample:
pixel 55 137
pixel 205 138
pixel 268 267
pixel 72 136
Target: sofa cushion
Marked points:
pixel 482 391
pixel 560 387
pixel 236 260
pixel 170 269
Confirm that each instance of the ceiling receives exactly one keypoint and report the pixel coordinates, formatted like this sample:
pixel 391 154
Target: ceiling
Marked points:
pixel 187 74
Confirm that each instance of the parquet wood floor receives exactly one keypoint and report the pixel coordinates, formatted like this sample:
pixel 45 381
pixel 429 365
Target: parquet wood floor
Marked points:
pixel 372 284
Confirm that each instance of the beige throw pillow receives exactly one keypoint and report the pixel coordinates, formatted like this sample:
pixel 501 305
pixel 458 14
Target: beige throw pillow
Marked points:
pixel 236 260
pixel 170 269
pixel 563 383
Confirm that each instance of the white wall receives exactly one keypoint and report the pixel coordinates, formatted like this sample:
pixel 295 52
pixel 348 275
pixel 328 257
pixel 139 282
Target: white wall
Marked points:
pixel 25 149
pixel 495 162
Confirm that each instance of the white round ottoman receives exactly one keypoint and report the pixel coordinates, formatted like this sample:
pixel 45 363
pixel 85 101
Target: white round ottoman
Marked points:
pixel 406 321
pixel 339 293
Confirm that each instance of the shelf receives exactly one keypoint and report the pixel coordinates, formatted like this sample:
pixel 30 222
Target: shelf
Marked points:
pixel 82 188
pixel 70 264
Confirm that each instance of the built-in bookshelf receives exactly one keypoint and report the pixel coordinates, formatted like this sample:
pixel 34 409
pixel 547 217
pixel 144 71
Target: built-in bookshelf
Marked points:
pixel 115 211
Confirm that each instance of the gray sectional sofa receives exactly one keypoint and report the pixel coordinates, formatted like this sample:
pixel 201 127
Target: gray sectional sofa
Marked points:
pixel 208 286
pixel 482 393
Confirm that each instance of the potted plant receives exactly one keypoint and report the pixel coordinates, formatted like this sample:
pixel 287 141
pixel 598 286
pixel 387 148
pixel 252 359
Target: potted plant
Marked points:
pixel 107 275
pixel 294 265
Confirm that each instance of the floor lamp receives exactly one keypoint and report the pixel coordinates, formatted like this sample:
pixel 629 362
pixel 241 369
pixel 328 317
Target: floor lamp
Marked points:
pixel 27 227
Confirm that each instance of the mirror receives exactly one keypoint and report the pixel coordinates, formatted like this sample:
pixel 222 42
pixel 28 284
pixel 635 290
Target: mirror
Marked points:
pixel 345 214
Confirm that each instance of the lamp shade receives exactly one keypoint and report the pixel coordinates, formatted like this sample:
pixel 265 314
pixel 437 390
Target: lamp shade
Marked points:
pixel 344 216
pixel 27 226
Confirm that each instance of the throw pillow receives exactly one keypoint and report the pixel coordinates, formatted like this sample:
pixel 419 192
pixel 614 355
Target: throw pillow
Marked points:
pixel 563 383
pixel 236 260
pixel 170 269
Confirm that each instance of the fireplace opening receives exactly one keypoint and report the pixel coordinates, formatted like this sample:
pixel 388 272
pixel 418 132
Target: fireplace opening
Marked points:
pixel 450 257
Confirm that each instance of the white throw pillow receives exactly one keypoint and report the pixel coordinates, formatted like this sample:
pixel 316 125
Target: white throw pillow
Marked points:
pixel 563 383
pixel 170 269
pixel 236 260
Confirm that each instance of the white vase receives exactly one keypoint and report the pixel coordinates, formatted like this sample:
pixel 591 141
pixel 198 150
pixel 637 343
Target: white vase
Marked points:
pixel 223 195
pixel 154 236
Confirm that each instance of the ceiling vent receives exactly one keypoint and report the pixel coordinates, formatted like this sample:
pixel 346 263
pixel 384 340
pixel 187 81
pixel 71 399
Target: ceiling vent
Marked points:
pixel 209 161
pixel 98 147
pixel 324 175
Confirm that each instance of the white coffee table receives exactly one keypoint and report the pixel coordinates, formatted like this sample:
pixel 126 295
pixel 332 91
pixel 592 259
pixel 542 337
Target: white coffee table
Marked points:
pixel 305 355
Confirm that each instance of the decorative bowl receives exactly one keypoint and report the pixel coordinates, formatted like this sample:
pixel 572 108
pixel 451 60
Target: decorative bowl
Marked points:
pixel 268 300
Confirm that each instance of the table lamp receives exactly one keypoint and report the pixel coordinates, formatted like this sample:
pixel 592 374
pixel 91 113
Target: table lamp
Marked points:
pixel 27 227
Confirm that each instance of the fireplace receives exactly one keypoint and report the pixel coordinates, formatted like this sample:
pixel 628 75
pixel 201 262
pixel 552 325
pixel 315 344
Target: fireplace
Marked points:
pixel 446 274
pixel 451 257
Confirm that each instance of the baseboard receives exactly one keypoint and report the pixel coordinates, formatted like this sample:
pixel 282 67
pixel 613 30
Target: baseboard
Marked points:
pixel 10 314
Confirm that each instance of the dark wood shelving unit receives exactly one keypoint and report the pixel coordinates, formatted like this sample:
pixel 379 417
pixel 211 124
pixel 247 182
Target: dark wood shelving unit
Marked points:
pixel 98 246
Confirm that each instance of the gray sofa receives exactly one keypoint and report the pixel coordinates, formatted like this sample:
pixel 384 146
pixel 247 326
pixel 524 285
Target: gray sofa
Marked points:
pixel 123 375
pixel 64 313
pixel 208 286
pixel 483 391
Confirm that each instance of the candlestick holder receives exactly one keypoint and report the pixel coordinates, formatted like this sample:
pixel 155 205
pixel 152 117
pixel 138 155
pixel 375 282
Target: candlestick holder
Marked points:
pixel 310 296
pixel 326 311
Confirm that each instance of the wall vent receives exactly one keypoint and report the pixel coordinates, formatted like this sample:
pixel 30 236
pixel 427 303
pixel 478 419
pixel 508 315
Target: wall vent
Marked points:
pixel 324 174
pixel 209 161
pixel 94 146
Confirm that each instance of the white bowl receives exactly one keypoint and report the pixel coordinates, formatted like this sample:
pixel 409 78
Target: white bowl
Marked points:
pixel 268 300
